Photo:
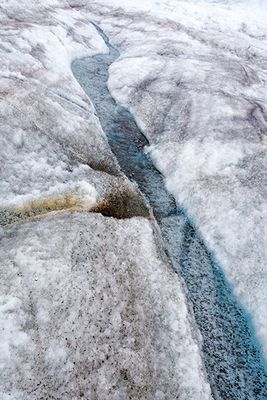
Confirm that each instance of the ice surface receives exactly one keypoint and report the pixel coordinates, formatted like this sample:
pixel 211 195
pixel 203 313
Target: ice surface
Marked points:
pixel 93 311
pixel 231 353
pixel 51 140
pixel 54 154
pixel 194 76
pixel 89 306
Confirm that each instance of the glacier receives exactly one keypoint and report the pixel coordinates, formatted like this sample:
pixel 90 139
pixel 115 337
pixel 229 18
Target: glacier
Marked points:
pixel 200 98
pixel 231 354
pixel 90 305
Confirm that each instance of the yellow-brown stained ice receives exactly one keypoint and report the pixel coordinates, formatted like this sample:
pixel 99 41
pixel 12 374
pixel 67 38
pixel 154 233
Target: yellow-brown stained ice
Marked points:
pixel 40 207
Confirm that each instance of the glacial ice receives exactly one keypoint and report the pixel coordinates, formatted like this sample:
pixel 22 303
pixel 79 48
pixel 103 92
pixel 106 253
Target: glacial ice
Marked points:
pixel 193 73
pixel 232 356
pixel 198 92
pixel 90 306
pixel 93 311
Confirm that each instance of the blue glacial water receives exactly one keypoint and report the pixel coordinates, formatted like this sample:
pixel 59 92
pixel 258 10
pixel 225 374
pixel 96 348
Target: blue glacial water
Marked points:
pixel 232 356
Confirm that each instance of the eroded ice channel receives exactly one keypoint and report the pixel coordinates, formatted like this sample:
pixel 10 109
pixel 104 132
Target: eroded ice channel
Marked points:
pixel 232 355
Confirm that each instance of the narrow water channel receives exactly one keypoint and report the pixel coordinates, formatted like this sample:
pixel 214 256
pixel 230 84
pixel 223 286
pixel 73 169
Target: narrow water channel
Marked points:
pixel 232 355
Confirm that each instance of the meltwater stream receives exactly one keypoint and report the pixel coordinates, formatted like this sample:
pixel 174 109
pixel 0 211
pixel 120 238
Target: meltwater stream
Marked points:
pixel 232 355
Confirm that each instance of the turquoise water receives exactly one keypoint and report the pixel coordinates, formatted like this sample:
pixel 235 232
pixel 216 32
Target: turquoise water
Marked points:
pixel 232 355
